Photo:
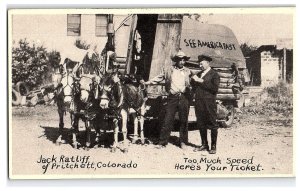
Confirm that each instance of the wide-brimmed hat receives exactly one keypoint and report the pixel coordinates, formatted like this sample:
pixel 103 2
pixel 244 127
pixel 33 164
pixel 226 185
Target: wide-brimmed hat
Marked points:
pixel 180 55
pixel 204 57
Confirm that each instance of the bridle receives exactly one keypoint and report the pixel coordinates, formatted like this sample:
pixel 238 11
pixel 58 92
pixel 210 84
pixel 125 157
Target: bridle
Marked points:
pixel 68 85
pixel 116 112
pixel 107 88
pixel 93 84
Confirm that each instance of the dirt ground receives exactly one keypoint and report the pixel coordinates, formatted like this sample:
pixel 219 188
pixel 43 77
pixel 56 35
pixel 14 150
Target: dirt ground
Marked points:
pixel 255 145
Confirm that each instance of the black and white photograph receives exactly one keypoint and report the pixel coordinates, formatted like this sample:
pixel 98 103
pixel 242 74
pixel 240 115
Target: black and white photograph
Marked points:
pixel 151 93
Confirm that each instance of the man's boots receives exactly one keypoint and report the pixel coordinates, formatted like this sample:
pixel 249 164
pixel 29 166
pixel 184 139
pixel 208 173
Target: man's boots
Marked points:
pixel 214 137
pixel 204 146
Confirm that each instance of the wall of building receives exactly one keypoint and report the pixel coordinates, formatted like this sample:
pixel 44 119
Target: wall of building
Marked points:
pixel 265 66
pixel 270 68
pixel 51 31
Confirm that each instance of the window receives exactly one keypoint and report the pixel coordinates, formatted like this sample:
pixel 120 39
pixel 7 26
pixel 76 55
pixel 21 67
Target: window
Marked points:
pixel 74 24
pixel 101 25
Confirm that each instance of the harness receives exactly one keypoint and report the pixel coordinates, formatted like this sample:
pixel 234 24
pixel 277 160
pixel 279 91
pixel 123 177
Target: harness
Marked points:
pixel 123 100
pixel 61 85
pixel 68 85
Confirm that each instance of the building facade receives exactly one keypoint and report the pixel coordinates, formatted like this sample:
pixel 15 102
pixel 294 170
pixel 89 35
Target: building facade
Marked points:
pixel 265 66
pixel 59 32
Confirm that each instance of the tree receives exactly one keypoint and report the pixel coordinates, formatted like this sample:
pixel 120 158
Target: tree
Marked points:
pixel 30 64
pixel 247 49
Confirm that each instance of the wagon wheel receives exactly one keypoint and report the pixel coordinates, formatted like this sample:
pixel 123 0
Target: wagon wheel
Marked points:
pixel 16 98
pixel 22 88
pixel 230 116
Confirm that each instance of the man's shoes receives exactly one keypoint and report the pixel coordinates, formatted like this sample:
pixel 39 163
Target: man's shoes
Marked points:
pixel 160 146
pixel 202 148
pixel 213 150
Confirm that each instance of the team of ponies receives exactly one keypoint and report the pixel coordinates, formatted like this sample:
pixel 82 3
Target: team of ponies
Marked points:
pixel 85 90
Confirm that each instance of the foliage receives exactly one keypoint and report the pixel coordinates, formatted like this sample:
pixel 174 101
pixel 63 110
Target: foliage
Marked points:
pixel 278 99
pixel 54 58
pixel 32 64
pixel 82 44
pixel 247 49
pixel 203 18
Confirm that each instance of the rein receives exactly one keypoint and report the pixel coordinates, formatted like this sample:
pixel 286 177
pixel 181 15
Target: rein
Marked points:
pixel 121 101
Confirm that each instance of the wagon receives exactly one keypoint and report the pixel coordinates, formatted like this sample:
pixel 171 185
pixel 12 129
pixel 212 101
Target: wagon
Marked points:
pixel 145 43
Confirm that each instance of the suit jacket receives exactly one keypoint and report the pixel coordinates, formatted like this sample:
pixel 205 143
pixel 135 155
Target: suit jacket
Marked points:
pixel 209 87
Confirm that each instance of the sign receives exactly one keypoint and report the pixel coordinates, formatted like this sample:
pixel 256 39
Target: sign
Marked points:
pixel 217 41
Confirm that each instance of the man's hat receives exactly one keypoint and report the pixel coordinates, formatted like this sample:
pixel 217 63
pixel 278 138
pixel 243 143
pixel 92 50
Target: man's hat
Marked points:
pixel 180 55
pixel 204 57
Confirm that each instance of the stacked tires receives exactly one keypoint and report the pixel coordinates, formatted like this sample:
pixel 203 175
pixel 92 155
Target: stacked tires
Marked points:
pixel 18 91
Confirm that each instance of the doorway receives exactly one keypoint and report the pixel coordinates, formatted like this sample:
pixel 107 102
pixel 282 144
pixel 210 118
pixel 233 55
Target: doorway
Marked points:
pixel 141 60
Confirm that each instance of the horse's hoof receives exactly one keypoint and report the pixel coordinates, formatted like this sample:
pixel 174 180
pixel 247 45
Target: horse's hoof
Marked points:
pixel 125 150
pixel 126 142
pixel 113 150
pixel 134 141
pixel 86 148
pixel 75 145
pixel 149 142
pixel 96 146
pixel 101 145
pixel 60 142
pixel 142 141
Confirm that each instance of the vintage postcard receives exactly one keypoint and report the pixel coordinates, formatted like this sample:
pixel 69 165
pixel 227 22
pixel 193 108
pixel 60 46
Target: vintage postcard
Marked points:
pixel 151 93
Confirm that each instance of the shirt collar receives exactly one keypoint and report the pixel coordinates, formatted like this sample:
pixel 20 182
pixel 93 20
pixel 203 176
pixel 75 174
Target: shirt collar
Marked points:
pixel 208 69
pixel 180 69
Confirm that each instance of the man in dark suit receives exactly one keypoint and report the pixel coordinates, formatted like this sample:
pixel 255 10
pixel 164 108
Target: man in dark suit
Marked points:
pixel 206 85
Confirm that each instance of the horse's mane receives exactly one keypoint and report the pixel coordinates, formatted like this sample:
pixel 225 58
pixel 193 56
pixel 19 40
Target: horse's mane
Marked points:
pixel 69 63
pixel 106 80
pixel 90 66
pixel 133 96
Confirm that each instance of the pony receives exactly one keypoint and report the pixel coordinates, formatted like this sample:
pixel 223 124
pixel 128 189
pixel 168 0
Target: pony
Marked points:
pixel 120 100
pixel 63 85
pixel 86 104
pixel 67 81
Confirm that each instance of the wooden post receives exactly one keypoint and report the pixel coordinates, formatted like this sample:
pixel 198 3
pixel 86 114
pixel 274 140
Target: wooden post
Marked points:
pixel 130 44
pixel 110 33
pixel 284 65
